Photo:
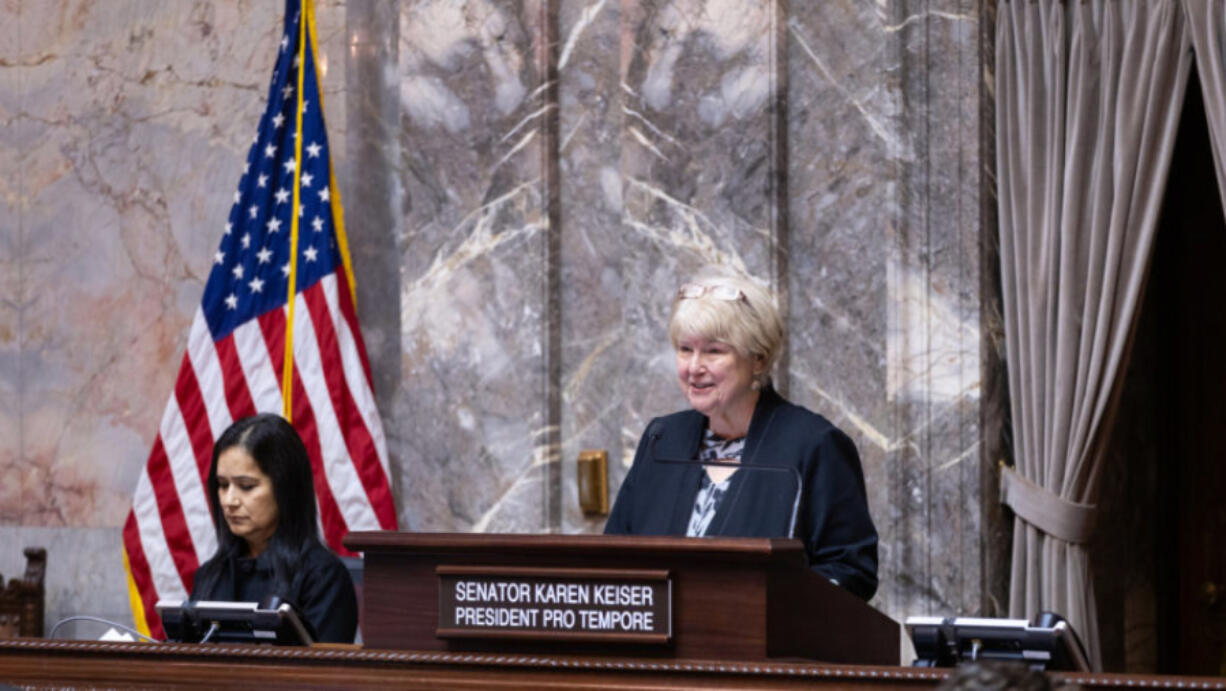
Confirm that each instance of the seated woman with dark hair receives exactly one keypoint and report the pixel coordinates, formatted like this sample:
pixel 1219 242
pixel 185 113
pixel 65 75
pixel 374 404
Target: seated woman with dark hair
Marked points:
pixel 262 495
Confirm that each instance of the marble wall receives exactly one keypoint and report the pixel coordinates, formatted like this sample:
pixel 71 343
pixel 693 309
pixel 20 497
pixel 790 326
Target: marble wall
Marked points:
pixel 526 183
pixel 123 130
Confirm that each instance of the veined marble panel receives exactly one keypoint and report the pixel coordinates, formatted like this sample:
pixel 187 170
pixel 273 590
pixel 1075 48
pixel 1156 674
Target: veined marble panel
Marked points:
pixel 374 198
pixel 12 233
pixel 593 266
pixel 517 239
pixel 84 574
pixel 124 129
pixel 129 156
pixel 934 315
pixel 471 425
pixel 698 159
pixel 847 143
pixel 131 125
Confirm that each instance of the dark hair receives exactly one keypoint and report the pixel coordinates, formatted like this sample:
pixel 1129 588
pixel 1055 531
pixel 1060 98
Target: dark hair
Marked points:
pixel 281 455
pixel 997 675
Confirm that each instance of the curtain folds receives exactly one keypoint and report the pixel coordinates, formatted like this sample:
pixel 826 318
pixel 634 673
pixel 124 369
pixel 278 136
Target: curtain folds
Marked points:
pixel 1089 95
pixel 1207 26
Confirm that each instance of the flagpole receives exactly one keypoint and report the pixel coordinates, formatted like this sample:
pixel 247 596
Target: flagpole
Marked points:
pixel 134 601
pixel 287 373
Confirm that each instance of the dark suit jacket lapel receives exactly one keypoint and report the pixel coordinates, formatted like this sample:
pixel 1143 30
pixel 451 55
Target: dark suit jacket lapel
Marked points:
pixel 759 425
pixel 728 520
pixel 683 444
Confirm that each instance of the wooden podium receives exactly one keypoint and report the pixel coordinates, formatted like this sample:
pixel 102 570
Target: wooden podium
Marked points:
pixel 732 599
pixel 737 610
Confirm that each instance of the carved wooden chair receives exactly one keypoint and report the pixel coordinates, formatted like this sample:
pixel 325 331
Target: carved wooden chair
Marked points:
pixel 23 600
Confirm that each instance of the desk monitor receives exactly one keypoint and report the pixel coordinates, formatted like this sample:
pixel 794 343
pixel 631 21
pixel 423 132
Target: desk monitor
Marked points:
pixel 233 622
pixel 1047 643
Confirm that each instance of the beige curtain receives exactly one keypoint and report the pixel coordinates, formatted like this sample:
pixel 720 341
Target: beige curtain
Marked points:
pixel 1207 26
pixel 1088 97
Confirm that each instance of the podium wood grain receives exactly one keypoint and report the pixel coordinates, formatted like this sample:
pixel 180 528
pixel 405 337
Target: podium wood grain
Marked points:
pixel 743 599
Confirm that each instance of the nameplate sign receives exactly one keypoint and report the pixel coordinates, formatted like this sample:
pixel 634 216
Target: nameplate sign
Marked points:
pixel 605 605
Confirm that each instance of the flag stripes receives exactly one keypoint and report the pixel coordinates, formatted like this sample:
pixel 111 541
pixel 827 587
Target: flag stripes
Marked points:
pixel 262 379
pixel 206 365
pixel 359 442
pixel 139 578
pixel 352 355
pixel 170 513
pixel 236 348
pixel 237 391
pixel 189 481
pixel 191 405
pixel 346 303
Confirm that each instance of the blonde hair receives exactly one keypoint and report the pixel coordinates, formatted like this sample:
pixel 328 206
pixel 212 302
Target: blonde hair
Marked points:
pixel 751 324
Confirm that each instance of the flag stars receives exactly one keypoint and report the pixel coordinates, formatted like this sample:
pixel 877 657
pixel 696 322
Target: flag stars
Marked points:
pixel 305 102
pixel 317 256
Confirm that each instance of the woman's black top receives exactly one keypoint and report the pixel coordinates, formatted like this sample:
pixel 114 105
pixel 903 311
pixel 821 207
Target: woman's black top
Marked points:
pixel 320 589
pixel 658 495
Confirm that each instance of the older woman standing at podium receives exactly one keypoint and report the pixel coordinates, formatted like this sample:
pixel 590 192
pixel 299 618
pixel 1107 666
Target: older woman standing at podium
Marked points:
pixel 727 334
pixel 262 495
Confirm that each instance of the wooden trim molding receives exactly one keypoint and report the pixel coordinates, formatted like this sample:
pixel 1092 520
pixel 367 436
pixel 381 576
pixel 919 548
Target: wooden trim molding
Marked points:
pixel 84 664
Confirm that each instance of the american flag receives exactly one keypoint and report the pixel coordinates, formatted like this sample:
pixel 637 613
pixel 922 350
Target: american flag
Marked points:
pixel 235 355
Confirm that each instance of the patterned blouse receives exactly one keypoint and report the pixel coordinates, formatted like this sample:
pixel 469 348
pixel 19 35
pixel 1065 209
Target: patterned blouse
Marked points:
pixel 710 494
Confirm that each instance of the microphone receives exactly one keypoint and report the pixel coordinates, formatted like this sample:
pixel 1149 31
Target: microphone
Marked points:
pixel 769 467
pixel 100 620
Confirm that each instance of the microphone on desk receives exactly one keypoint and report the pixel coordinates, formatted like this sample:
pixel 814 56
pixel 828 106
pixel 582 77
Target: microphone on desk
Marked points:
pixel 769 467
pixel 116 627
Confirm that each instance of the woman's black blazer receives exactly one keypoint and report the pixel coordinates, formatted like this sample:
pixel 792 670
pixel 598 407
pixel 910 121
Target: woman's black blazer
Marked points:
pixel 833 522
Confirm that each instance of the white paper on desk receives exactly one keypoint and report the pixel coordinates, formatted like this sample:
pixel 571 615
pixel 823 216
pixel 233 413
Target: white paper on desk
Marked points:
pixel 113 635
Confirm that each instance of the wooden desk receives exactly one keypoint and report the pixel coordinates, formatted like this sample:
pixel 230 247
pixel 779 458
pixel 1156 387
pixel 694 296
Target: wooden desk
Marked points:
pixel 86 664
pixel 742 599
